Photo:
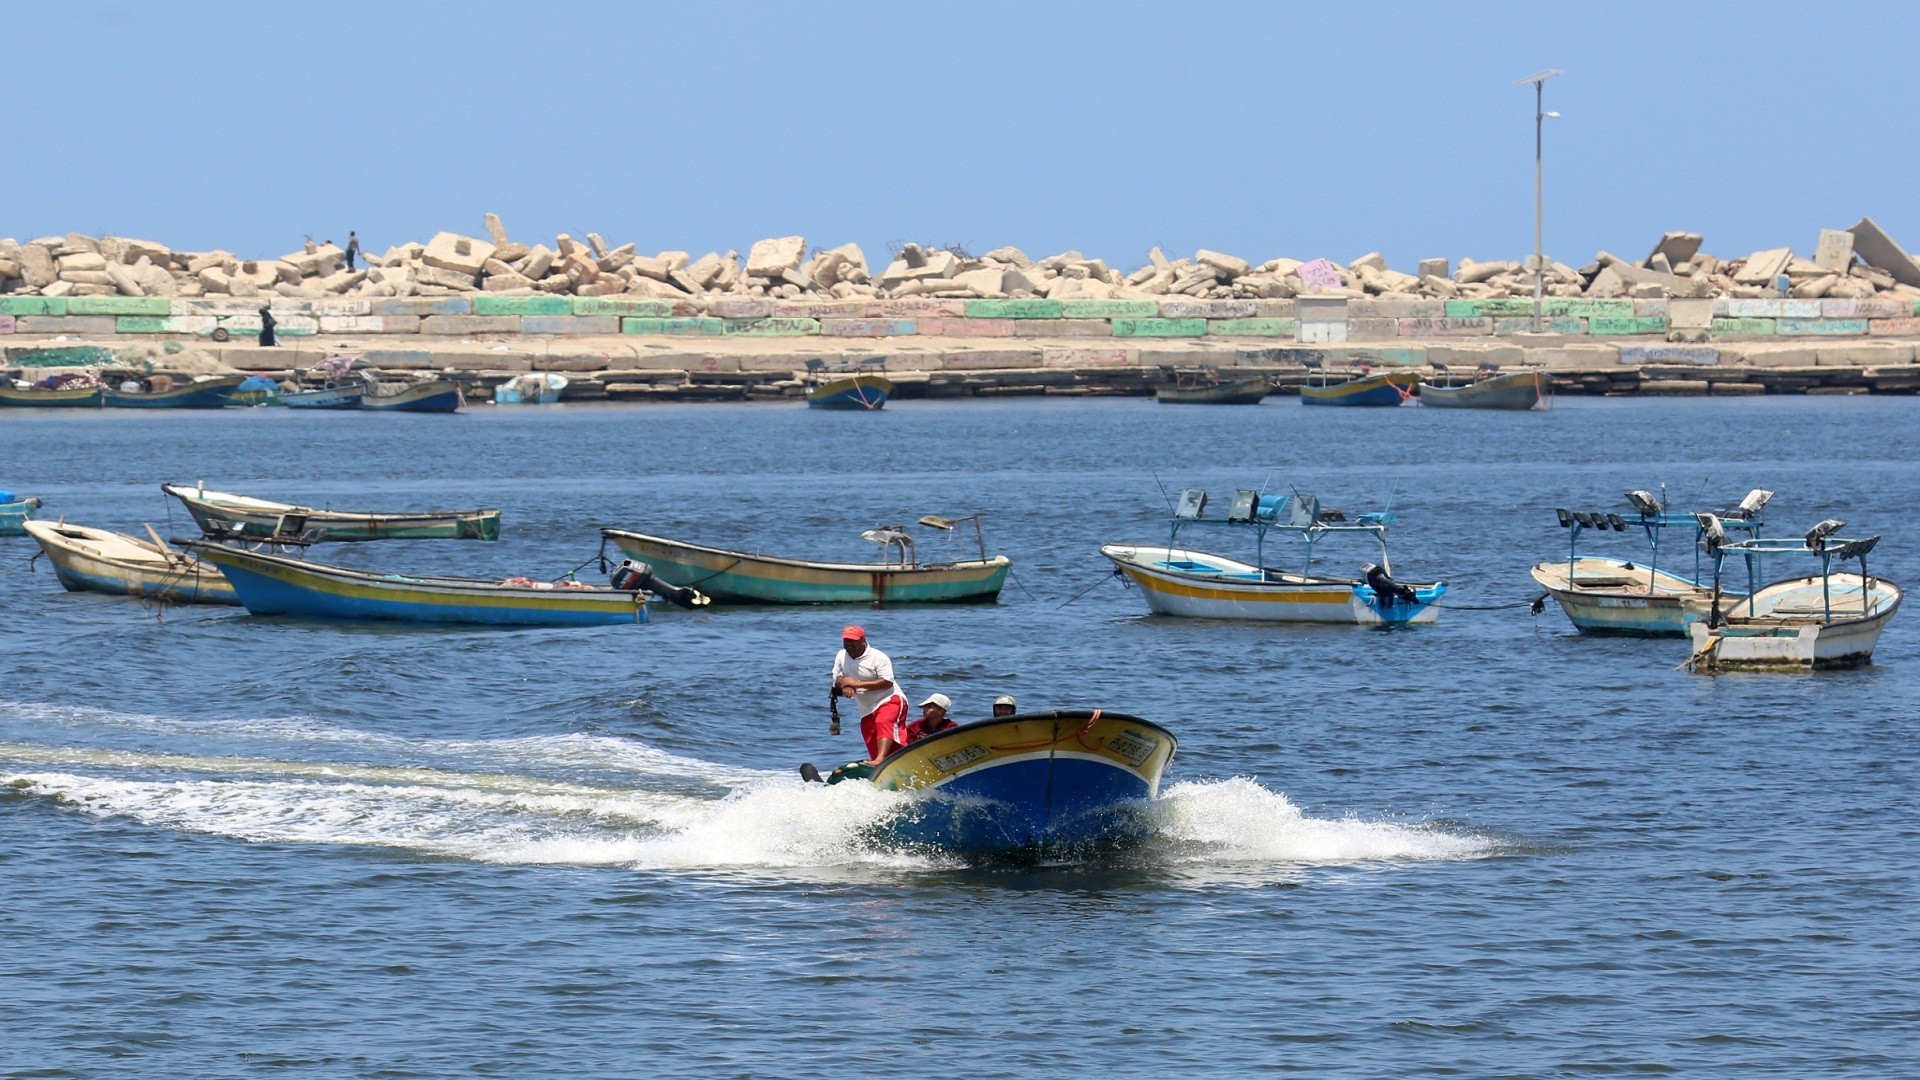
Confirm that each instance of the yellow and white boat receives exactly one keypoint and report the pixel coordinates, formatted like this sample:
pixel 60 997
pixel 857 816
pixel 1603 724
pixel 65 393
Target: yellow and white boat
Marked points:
pixel 96 560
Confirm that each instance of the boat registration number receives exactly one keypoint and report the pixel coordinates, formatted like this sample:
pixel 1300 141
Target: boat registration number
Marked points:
pixel 950 762
pixel 1135 748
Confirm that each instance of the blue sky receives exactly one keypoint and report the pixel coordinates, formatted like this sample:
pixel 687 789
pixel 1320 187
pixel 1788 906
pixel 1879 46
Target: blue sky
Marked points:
pixel 1262 129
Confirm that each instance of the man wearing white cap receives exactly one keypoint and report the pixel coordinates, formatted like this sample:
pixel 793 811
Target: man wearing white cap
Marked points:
pixel 934 718
pixel 865 674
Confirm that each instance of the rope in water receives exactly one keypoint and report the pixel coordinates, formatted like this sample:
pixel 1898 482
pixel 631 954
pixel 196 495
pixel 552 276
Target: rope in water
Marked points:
pixel 1116 574
pixel 1491 607
pixel 26 562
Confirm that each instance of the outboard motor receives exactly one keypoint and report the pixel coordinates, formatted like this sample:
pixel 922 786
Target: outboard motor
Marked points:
pixel 631 576
pixel 1388 591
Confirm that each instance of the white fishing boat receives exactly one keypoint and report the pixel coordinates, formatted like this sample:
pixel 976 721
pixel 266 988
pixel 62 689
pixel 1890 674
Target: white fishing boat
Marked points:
pixel 536 388
pixel 1824 620
pixel 1178 580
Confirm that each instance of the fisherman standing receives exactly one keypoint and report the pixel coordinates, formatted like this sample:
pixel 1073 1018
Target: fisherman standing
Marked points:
pixel 865 674
pixel 353 248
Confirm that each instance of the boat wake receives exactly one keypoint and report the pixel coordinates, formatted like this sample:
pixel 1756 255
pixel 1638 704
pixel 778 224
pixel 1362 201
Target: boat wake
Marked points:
pixel 587 800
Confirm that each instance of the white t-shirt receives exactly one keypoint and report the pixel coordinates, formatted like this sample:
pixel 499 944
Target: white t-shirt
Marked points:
pixel 872 664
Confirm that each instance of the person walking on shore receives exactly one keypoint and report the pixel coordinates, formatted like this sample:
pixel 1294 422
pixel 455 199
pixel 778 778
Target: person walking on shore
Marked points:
pixel 353 249
pixel 267 323
pixel 865 674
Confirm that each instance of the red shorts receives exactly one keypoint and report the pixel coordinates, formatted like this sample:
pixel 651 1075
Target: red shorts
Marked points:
pixel 884 722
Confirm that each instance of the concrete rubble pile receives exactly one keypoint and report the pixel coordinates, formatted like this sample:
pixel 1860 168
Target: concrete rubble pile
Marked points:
pixel 1862 262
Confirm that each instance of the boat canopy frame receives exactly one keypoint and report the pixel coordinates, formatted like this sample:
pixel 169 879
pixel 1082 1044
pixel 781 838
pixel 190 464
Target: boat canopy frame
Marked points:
pixel 1820 543
pixel 1299 514
pixel 1654 518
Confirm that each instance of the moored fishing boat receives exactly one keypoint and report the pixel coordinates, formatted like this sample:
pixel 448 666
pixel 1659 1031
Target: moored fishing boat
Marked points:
pixel 1636 597
pixel 1361 388
pixel 341 396
pixel 162 392
pixel 538 388
pixel 96 560
pixel 256 390
pixel 14 512
pixel 1488 388
pixel 278 585
pixel 1824 620
pixel 1180 581
pixel 1030 786
pixel 748 578
pixel 436 396
pixel 1203 386
pixel 864 390
pixel 222 514
pixel 60 392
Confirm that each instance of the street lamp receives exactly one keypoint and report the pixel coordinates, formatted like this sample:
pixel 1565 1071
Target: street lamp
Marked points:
pixel 1539 261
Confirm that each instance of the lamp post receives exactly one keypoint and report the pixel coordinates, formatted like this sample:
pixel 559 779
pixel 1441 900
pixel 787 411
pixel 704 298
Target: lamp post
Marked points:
pixel 1538 263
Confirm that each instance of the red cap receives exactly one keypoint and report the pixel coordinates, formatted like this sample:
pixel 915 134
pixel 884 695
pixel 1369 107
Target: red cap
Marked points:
pixel 853 633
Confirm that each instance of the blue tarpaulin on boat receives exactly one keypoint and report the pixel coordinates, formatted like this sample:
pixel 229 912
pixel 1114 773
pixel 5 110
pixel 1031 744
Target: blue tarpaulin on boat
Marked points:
pixel 7 496
pixel 257 383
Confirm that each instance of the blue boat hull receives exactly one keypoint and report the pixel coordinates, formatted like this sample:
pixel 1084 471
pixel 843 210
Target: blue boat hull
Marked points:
pixel 445 401
pixel 14 515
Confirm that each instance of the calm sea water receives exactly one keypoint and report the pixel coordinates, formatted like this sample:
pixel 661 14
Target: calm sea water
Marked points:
pixel 1487 847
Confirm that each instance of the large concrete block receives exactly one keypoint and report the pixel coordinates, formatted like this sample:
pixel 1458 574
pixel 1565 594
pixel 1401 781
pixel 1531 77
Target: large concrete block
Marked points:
pixel 948 327
pixel 1088 357
pixel 1059 328
pixel 33 305
pixel 1475 309
pixel 1194 326
pixel 399 324
pixel 461 325
pixel 1803 327
pixel 1523 324
pixel 992 359
pixel 916 309
pixel 1589 309
pixel 1878 250
pixel 569 324
pixel 1254 327
pixel 1773 356
pixel 399 359
pixel 1446 327
pixel 1013 309
pixel 1834 251
pixel 1800 309
pixel 624 306
pixel 353 324
pixel 1905 327
pixel 1373 329
pixel 1743 325
pixel 1652 324
pixel 1275 309
pixel 1208 309
pixel 742 309
pixel 1109 309
pixel 868 328
pixel 1475 355
pixel 676 326
pixel 140 324
pixel 119 305
pixel 1646 309
pixel 71 325
pixel 1700 355
pixel 1392 309
pixel 1753 309
pixel 6 323
pixel 423 305
pixel 523 305
pixel 1864 309
pixel 820 309
pixel 1583 357
pixel 1863 354
pixel 772 327
pixel 341 306
pixel 460 254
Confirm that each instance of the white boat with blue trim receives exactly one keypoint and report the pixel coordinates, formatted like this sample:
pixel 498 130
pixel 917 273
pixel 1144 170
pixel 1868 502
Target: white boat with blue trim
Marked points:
pixel 1830 619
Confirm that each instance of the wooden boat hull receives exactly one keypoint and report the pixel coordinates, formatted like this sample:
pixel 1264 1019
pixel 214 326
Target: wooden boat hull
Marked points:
pixel 96 560
pixel 1516 390
pixel 433 397
pixel 1030 786
pixel 742 578
pixel 1615 596
pixel 860 392
pixel 14 397
pixel 1197 585
pixel 215 393
pixel 223 514
pixel 332 397
pixel 1246 392
pixel 1387 389
pixel 276 585
pixel 516 391
pixel 14 515
pixel 1796 641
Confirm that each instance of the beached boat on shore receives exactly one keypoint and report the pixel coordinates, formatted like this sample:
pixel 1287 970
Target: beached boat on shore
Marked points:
pixel 222 514
pixel 1030 786
pixel 278 585
pixel 1488 388
pixel 1636 597
pixel 162 392
pixel 1827 619
pixel 1383 389
pixel 1178 580
pixel 436 396
pixel 96 560
pixel 746 578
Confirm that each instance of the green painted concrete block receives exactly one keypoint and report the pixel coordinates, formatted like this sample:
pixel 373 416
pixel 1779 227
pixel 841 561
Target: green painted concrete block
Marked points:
pixel 1251 327
pixel 1647 324
pixel 1109 309
pixel 1742 326
pixel 622 305
pixel 119 305
pixel 1159 327
pixel 1590 309
pixel 1013 309
pixel 140 324
pixel 1523 324
pixel 1821 326
pixel 523 305
pixel 646 325
pixel 33 305
pixel 772 327
pixel 1480 309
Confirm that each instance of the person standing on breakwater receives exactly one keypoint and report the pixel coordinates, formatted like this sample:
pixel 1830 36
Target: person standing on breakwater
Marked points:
pixel 865 674
pixel 353 249
pixel 267 340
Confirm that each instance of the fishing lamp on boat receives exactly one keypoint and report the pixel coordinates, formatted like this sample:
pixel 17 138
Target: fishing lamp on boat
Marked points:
pixel 1246 502
pixel 1193 503
pixel 1712 532
pixel 1757 498
pixel 1644 502
pixel 1817 536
